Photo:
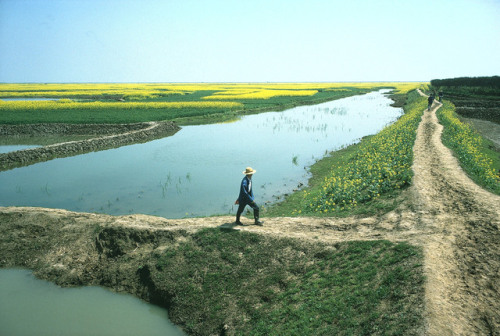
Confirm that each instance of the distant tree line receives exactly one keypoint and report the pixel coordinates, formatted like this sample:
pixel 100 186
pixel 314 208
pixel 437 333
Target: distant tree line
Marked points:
pixel 493 81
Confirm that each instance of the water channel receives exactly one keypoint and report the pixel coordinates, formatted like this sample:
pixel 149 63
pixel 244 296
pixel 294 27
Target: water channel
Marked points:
pixel 29 306
pixel 197 171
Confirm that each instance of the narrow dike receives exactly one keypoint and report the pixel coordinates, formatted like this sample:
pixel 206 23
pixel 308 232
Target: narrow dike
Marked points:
pixel 461 254
pixel 83 249
pixel 117 135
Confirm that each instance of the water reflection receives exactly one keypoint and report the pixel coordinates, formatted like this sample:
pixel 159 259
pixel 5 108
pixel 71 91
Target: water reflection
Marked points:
pixel 197 171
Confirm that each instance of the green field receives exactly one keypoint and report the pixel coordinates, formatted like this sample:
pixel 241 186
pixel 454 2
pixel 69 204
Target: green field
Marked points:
pixel 476 97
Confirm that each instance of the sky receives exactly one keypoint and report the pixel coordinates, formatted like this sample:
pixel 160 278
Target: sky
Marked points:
pixel 247 40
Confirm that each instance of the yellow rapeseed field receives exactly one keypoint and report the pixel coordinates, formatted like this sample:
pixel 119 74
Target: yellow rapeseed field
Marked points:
pixel 152 90
pixel 67 104
pixel 259 94
pixel 134 102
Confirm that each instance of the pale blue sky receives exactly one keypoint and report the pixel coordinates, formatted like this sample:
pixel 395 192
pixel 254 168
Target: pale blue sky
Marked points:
pixel 247 41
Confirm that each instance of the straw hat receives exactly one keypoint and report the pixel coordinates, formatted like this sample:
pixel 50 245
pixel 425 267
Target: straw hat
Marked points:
pixel 249 171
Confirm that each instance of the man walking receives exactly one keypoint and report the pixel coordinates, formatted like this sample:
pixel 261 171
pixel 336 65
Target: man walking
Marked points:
pixel 246 197
pixel 430 100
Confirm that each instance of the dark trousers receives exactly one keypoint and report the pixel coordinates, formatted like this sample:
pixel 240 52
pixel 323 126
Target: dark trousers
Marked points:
pixel 242 206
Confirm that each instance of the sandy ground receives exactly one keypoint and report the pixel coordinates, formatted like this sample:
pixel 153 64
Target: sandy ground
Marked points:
pixel 455 221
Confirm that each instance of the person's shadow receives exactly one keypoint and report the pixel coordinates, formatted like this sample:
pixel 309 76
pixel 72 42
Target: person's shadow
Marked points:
pixel 229 226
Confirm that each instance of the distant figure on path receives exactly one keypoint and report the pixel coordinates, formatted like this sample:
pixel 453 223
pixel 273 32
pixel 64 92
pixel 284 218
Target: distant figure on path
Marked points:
pixel 246 197
pixel 440 94
pixel 430 100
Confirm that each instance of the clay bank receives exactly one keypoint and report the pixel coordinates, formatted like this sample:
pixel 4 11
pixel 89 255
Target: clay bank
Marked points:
pixel 232 278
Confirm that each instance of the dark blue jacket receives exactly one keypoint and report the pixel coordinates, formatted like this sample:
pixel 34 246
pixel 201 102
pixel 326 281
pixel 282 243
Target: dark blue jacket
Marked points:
pixel 246 195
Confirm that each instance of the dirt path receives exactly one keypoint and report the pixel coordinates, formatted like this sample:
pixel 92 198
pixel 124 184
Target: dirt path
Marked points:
pixel 456 222
pixel 462 258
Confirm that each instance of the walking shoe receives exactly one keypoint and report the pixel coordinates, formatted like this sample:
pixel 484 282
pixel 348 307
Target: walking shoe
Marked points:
pixel 238 223
pixel 258 222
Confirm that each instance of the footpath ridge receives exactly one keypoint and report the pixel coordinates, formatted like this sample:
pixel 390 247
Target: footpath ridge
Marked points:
pixel 106 136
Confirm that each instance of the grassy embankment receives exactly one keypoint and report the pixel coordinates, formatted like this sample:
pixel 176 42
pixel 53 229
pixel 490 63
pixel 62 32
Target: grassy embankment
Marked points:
pixel 364 178
pixel 471 98
pixel 474 152
pixel 224 280
pixel 249 284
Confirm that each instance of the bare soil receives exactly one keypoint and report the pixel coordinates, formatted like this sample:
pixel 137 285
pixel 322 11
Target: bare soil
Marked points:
pixel 455 222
